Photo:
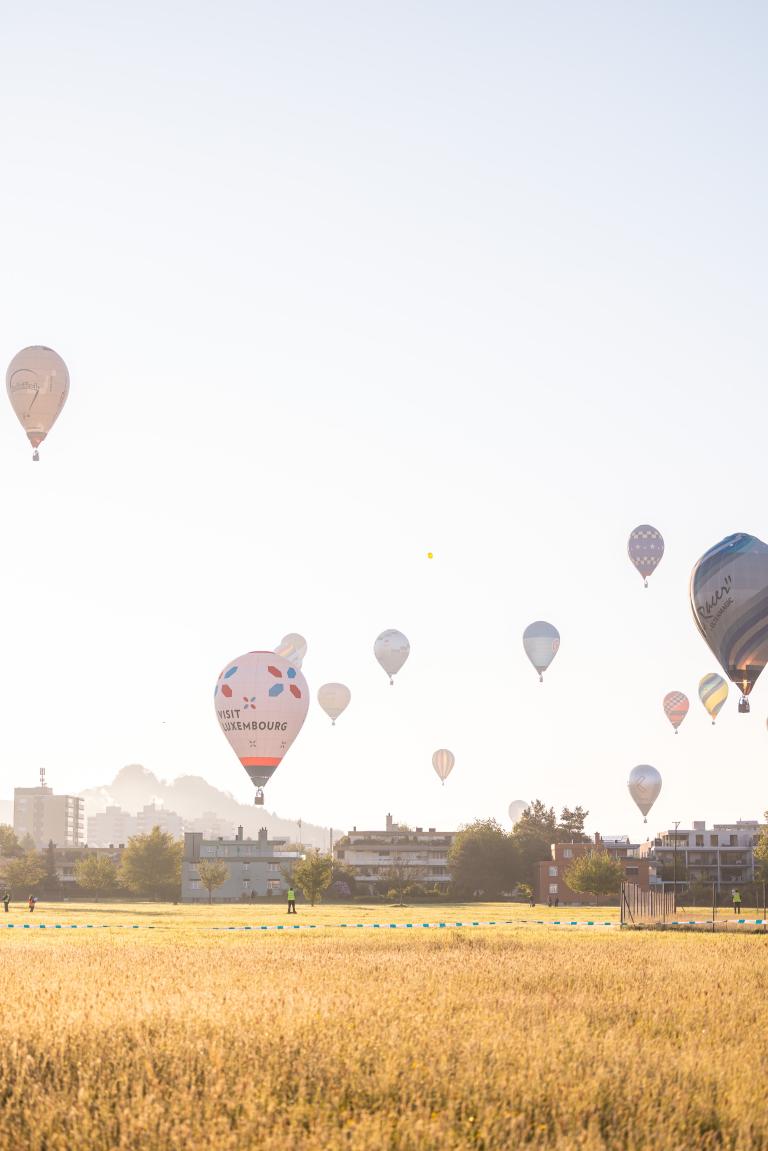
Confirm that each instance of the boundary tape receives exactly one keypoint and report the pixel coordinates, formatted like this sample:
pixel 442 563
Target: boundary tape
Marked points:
pixel 385 926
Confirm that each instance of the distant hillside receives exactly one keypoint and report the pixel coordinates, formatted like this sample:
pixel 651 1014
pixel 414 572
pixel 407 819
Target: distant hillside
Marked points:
pixel 191 797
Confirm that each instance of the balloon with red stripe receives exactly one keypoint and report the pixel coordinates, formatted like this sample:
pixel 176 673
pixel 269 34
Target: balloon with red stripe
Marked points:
pixel 261 703
pixel 675 708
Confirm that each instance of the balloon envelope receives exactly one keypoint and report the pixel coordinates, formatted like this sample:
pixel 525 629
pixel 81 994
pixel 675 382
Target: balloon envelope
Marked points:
pixel 645 548
pixel 713 692
pixel 516 809
pixel 333 698
pixel 391 650
pixel 644 785
pixel 676 707
pixel 443 761
pixel 292 647
pixel 261 702
pixel 541 642
pixel 729 600
pixel 38 385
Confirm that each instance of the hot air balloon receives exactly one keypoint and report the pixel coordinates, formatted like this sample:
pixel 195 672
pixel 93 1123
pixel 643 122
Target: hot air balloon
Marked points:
pixel 644 785
pixel 38 385
pixel 292 647
pixel 675 708
pixel 443 761
pixel 645 548
pixel 516 809
pixel 729 600
pixel 391 650
pixel 261 702
pixel 713 692
pixel 541 641
pixel 333 698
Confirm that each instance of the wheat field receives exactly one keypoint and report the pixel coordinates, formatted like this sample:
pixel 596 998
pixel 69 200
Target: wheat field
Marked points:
pixel 500 1037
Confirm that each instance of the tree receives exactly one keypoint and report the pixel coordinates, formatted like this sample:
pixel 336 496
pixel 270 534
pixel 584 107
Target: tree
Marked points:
pixel 313 875
pixel 483 860
pixel 51 884
pixel 10 848
pixel 213 874
pixel 397 878
pixel 23 873
pixel 570 829
pixel 761 854
pixel 343 881
pixel 97 874
pixel 151 865
pixel 595 874
pixel 533 834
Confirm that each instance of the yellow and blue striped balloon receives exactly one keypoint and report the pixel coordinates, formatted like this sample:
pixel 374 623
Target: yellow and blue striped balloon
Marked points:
pixel 713 692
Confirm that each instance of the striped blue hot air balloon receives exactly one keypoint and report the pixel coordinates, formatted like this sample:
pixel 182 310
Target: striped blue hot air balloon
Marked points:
pixel 729 600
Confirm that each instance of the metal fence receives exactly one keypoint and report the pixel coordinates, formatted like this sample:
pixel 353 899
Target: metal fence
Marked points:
pixel 639 906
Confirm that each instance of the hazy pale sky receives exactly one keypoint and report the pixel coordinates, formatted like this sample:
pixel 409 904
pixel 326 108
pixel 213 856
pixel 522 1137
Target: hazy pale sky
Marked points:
pixel 339 284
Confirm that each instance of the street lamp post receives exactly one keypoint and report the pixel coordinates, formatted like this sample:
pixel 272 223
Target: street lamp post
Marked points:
pixel 674 867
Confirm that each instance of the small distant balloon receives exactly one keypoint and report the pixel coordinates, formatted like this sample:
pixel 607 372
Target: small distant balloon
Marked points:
pixel 675 708
pixel 713 692
pixel 644 785
pixel 37 381
pixel 292 647
pixel 333 699
pixel 443 761
pixel 541 642
pixel 516 809
pixel 430 556
pixel 645 549
pixel 391 650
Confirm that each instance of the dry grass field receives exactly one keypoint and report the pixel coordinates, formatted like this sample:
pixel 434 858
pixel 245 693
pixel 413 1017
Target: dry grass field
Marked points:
pixel 182 1037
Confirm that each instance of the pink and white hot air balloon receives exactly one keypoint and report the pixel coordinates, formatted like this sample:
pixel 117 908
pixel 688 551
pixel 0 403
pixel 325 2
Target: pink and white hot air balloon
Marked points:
pixel 675 708
pixel 261 703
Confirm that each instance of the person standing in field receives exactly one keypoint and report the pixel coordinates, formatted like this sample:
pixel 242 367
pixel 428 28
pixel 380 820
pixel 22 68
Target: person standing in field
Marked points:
pixel 6 900
pixel 736 901
pixel 32 902
pixel 291 901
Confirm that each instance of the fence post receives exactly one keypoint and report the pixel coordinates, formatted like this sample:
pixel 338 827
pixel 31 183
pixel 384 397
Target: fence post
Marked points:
pixel 714 907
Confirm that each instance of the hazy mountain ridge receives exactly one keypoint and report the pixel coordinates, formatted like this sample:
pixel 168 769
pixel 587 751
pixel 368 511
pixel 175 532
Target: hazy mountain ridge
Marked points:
pixel 191 797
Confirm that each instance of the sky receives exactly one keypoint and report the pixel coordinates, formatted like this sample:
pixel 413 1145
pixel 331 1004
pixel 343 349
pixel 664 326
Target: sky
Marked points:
pixel 341 284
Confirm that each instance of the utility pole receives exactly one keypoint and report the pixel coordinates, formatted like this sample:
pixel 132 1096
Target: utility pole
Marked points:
pixel 674 867
pixel 299 822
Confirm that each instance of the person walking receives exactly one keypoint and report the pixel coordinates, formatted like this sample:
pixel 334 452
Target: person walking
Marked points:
pixel 6 900
pixel 291 901
pixel 736 897
pixel 32 902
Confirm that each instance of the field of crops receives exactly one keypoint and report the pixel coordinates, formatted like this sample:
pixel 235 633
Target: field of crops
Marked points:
pixel 515 1035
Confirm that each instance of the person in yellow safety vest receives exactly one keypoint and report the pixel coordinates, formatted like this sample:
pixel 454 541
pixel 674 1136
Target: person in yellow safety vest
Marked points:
pixel 291 901
pixel 736 897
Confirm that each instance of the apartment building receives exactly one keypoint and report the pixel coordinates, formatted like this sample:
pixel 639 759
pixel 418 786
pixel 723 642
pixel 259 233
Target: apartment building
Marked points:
pixel 370 855
pixel 256 867
pixel 722 854
pixel 552 873
pixel 46 817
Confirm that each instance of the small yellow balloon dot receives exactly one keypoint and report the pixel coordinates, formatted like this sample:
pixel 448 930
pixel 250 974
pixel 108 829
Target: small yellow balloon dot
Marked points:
pixel 429 555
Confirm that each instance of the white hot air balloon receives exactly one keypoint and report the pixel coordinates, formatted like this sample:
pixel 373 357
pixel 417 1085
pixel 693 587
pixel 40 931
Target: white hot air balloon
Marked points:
pixel 516 809
pixel 292 647
pixel 443 761
pixel 37 381
pixel 333 698
pixel 644 785
pixel 541 641
pixel 391 650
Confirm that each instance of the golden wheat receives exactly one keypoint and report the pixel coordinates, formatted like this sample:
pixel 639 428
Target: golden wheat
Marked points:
pixel 478 1038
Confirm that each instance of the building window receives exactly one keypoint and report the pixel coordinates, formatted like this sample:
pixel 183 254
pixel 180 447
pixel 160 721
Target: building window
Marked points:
pixel 699 840
pixel 273 867
pixel 567 853
pixel 734 841
pixel 631 870
pixel 273 884
pixel 553 889
pixel 713 841
pixel 246 882
pixel 194 884
pixel 552 871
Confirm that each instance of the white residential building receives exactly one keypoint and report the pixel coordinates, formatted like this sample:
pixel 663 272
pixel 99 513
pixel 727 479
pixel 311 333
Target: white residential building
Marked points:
pixel 372 854
pixel 256 867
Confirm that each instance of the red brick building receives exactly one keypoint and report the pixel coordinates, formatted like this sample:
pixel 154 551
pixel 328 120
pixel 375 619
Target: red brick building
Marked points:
pixel 552 884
